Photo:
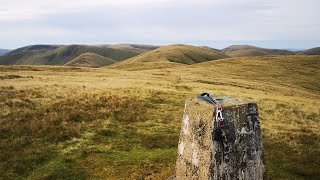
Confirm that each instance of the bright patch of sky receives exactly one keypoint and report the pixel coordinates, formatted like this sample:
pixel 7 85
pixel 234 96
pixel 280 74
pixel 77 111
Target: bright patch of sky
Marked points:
pixel 215 23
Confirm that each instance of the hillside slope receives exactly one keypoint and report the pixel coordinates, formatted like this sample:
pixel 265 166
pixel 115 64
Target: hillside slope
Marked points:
pixel 168 56
pixel 62 55
pixel 312 51
pixel 247 50
pixel 38 47
pixel 138 48
pixel 90 60
pixel 18 58
pixel 105 123
pixel 4 51
pixel 262 69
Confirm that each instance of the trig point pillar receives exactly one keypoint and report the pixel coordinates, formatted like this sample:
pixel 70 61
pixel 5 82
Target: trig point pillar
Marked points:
pixel 202 157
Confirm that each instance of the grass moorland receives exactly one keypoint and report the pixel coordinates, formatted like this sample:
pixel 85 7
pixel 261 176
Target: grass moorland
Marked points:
pixel 77 123
pixel 247 50
pixel 61 55
pixel 169 56
pixel 33 48
pixel 139 48
pixel 90 60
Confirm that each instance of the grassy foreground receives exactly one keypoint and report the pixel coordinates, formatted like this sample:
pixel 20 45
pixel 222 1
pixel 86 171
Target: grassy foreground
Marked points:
pixel 78 123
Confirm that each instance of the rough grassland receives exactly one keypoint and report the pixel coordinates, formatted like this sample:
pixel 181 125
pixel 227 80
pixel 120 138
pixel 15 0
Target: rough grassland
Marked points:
pixel 90 60
pixel 62 55
pixel 77 123
pixel 247 50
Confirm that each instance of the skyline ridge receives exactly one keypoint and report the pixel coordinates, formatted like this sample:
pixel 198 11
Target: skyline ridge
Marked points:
pixel 220 46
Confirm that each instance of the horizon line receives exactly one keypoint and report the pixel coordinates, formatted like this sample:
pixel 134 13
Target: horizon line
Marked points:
pixel 223 44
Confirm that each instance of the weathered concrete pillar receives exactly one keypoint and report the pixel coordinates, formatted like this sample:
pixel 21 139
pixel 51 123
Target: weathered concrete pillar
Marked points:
pixel 201 157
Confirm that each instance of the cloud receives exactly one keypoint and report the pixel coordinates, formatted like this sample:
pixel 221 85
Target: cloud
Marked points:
pixel 14 10
pixel 150 21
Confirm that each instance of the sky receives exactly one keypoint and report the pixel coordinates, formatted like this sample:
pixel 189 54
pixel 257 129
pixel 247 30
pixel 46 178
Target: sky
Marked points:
pixel 291 24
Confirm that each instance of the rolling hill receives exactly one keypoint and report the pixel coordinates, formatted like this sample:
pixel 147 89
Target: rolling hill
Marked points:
pixel 247 50
pixel 138 48
pixel 90 60
pixel 312 51
pixel 4 51
pixel 18 58
pixel 168 56
pixel 61 55
pixel 33 48
pixel 137 56
pixel 212 49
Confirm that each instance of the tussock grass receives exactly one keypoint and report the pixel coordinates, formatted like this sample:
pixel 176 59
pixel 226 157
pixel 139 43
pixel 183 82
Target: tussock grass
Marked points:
pixel 109 123
pixel 33 126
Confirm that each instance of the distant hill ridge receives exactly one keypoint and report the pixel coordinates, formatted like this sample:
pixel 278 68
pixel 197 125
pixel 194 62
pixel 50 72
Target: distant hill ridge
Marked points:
pixel 248 50
pixel 61 55
pixel 139 48
pixel 90 60
pixel 170 55
pixel 134 54
pixel 4 51
pixel 312 51
pixel 35 48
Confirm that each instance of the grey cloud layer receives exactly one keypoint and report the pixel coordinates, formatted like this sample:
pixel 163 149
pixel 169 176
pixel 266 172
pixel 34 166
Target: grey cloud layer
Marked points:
pixel 160 21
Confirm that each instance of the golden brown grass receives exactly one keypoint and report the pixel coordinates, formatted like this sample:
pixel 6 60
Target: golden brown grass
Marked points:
pixel 139 48
pixel 168 56
pixel 247 50
pixel 60 122
pixel 90 60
